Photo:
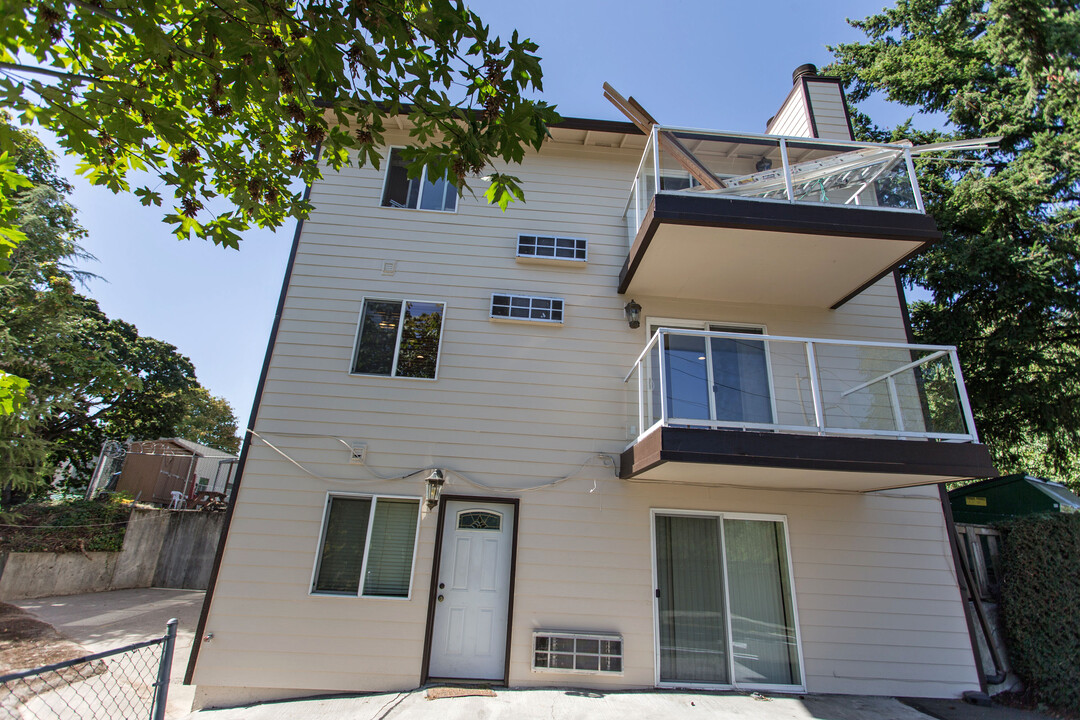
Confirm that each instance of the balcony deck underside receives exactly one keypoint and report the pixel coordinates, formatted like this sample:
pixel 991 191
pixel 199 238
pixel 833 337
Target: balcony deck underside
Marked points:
pixel 753 251
pixel 799 462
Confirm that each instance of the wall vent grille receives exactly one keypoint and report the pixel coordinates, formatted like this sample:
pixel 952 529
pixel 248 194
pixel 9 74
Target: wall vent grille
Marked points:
pixel 574 652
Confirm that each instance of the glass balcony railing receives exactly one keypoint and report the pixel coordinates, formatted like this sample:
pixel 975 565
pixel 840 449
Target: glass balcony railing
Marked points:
pixel 772 168
pixel 696 378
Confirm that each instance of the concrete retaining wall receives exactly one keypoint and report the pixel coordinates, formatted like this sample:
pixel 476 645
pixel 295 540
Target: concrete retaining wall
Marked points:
pixel 162 548
pixel 187 550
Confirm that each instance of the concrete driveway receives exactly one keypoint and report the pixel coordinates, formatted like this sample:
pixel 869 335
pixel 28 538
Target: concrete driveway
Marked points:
pixel 545 704
pixel 107 620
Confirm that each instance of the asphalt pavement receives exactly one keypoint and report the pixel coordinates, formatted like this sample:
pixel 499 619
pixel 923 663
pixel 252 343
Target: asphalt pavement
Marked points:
pixel 107 620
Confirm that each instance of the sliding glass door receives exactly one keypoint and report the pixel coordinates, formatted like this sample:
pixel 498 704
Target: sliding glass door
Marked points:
pixel 693 624
pixel 713 378
pixel 725 611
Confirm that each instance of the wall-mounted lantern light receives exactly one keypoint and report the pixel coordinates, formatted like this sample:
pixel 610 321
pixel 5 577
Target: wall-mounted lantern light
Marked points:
pixel 434 487
pixel 633 314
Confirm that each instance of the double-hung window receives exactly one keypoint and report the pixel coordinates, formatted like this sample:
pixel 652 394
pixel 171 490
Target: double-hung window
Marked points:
pixel 367 546
pixel 398 338
pixel 423 193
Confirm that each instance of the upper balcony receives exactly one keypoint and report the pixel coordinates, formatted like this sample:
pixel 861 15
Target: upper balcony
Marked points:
pixel 768 219
pixel 788 412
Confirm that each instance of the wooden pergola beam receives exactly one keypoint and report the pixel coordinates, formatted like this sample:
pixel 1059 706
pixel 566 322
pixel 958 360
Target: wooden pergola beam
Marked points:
pixel 645 122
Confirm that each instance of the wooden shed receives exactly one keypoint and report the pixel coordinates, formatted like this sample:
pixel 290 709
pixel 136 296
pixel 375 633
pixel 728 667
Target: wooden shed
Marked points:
pixel 154 469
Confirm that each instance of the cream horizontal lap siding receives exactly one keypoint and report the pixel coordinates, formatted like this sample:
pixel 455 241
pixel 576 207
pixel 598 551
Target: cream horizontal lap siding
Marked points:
pixel 516 405
pixel 792 120
pixel 878 606
pixel 830 115
pixel 876 596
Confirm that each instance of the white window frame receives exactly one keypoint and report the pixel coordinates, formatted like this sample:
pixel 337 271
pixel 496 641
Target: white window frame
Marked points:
pixel 374 497
pixel 733 685
pixel 552 260
pixel 420 196
pixel 397 342
pixel 653 324
pixel 506 318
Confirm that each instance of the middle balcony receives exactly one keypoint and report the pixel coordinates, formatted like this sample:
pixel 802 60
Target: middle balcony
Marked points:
pixel 789 412
pixel 766 219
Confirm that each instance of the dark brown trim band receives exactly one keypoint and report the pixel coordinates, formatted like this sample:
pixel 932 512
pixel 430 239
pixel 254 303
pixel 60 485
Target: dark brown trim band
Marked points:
pixel 196 643
pixel 435 563
pixel 805 452
pixel 797 218
pixel 609 126
pixel 901 296
pixel 809 106
pixel 847 111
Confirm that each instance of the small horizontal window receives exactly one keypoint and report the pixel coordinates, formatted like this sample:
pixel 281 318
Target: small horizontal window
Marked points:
pixel 398 338
pixel 423 193
pixel 545 247
pixel 577 652
pixel 382 557
pixel 526 308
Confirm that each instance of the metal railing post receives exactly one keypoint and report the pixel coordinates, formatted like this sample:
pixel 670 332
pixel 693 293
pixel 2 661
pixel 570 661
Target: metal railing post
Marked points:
pixel 641 400
pixel 656 158
pixel 894 400
pixel 789 186
pixel 161 687
pixel 638 214
pixel 961 392
pixel 815 388
pixel 914 182
pixel 661 336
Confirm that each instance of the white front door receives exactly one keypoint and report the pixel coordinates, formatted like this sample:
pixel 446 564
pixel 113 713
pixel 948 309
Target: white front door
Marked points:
pixel 472 594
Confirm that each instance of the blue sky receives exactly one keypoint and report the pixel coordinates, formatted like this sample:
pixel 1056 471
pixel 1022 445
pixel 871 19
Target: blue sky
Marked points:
pixel 715 64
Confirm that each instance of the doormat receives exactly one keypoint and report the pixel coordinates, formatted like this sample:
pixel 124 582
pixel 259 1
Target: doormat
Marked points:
pixel 437 693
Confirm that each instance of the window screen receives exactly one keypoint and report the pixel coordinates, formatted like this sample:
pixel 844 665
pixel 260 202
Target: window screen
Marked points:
pixel 342 555
pixel 389 564
pixel 345 554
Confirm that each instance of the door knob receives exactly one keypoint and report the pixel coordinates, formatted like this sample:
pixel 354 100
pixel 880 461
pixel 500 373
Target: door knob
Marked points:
pixel 442 585
pixel 440 598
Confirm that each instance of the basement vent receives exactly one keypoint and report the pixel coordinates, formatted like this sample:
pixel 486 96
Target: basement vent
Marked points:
pixel 549 247
pixel 568 652
pixel 526 308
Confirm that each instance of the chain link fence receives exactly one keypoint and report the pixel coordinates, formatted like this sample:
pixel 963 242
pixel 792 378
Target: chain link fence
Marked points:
pixel 131 682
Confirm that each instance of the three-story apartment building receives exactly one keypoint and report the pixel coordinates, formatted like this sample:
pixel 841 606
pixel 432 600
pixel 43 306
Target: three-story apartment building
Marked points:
pixel 652 427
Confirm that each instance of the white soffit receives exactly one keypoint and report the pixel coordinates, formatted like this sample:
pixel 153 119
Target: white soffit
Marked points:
pixel 756 266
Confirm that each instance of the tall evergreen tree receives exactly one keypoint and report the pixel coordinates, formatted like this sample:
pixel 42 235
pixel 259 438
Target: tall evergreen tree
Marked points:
pixel 1005 280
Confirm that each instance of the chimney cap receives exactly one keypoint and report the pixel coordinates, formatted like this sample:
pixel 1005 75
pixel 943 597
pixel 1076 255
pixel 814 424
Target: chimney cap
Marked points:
pixel 807 69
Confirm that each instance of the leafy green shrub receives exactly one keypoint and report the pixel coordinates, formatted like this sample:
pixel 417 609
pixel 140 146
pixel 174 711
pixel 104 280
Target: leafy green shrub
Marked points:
pixel 1040 597
pixel 67 526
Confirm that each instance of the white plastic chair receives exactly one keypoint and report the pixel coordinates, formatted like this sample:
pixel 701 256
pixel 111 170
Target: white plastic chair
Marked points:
pixel 177 500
